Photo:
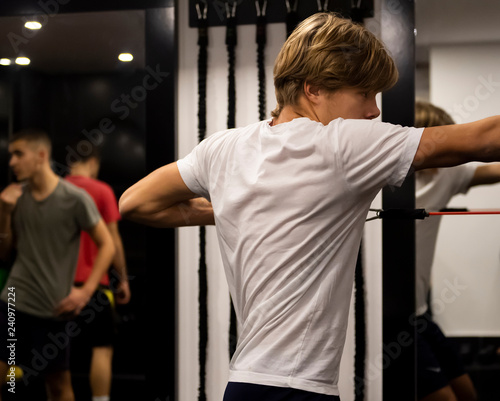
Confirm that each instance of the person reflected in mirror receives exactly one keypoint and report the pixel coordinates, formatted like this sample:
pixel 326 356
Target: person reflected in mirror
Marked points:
pixel 440 372
pixel 97 319
pixel 289 197
pixel 42 216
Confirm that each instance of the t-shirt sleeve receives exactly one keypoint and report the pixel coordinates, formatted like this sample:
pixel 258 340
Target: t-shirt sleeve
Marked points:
pixel 375 154
pixel 462 176
pixel 108 206
pixel 87 215
pixel 194 168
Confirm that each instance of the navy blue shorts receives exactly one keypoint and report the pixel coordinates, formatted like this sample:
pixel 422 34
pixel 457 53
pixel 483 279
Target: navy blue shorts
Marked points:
pixel 40 346
pixel 438 362
pixel 258 392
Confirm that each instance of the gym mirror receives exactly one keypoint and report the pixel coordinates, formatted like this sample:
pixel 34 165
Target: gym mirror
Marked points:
pixel 458 47
pixel 83 78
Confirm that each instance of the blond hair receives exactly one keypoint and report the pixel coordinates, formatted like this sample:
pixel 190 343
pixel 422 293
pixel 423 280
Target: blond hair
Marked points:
pixel 428 115
pixel 332 53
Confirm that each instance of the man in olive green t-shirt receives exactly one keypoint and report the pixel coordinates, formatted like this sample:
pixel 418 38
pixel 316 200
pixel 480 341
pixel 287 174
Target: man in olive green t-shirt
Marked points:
pixel 43 218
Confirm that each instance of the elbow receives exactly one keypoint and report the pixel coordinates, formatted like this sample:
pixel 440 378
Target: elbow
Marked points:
pixel 125 206
pixel 488 149
pixel 132 206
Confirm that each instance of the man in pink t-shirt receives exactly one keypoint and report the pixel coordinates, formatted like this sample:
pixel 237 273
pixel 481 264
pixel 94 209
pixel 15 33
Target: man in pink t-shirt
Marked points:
pixel 97 319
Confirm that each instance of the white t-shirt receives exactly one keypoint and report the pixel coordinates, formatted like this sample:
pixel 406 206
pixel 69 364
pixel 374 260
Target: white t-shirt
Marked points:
pixel 433 191
pixel 290 202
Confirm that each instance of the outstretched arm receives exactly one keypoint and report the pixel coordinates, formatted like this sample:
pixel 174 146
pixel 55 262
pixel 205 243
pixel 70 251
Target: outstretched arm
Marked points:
pixel 487 174
pixel 162 199
pixel 450 145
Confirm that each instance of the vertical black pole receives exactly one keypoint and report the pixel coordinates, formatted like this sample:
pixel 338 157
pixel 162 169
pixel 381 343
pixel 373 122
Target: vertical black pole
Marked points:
pixel 399 381
pixel 160 300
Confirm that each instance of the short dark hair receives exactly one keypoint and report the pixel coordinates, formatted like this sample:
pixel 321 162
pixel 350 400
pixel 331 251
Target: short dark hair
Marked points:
pixel 85 150
pixel 33 135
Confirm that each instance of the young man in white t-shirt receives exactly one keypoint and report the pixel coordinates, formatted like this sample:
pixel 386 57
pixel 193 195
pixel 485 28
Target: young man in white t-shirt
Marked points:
pixel 289 197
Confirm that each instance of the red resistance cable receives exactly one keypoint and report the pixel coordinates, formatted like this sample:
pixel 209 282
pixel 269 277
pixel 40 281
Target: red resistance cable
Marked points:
pixel 472 212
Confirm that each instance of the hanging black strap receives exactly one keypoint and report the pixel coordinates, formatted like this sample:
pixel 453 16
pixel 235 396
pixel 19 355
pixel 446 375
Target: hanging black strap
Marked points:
pixel 203 324
pixel 202 9
pixel 231 42
pixel 292 17
pixel 202 69
pixel 357 11
pixel 261 39
pixel 322 5
pixel 233 331
pixel 359 329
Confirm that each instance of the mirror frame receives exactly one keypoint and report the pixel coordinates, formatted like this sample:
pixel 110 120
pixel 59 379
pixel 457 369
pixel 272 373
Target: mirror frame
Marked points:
pixel 158 345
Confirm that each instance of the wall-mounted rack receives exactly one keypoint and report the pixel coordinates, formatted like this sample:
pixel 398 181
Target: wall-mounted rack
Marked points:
pixel 276 10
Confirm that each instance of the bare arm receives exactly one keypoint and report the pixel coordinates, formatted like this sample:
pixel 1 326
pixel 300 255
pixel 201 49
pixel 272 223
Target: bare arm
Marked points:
pixel 487 174
pixel 8 201
pixel 79 297
pixel 450 145
pixel 120 265
pixel 162 199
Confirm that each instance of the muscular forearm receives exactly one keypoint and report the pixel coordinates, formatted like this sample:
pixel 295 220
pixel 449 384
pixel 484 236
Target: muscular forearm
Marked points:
pixel 486 134
pixel 486 174
pixel 450 145
pixel 162 199
pixel 193 212
pixel 119 263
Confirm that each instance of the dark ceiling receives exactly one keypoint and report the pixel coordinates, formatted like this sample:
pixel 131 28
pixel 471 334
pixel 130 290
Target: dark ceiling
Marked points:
pixel 77 43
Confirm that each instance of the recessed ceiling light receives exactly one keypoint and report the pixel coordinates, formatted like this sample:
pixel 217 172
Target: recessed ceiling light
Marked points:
pixel 5 61
pixel 125 57
pixel 23 60
pixel 33 25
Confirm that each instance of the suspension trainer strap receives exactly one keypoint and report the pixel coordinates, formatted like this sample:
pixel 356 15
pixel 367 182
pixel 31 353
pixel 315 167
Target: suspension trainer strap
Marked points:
pixel 322 5
pixel 359 324
pixel 357 11
pixel 261 39
pixel 202 71
pixel 231 42
pixel 202 9
pixel 292 17
pixel 359 329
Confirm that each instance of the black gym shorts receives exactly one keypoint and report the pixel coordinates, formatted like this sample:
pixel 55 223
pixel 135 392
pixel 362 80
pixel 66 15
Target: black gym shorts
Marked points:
pixel 40 345
pixel 97 322
pixel 438 361
pixel 251 392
